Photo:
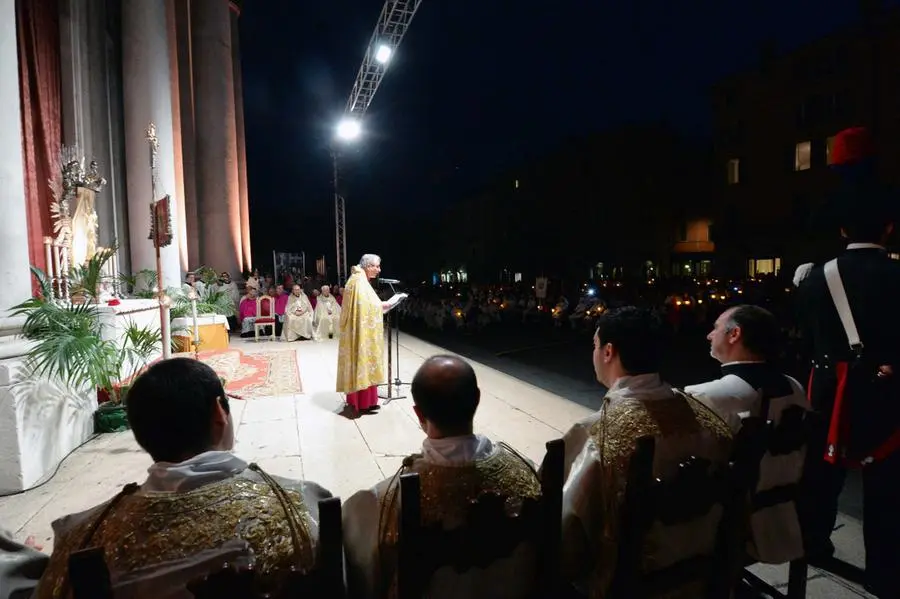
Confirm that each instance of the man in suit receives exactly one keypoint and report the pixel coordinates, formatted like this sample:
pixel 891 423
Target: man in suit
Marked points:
pixel 856 389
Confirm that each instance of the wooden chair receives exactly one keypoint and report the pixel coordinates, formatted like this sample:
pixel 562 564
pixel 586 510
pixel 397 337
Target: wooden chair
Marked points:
pixel 792 433
pixel 89 574
pixel 689 495
pixel 265 316
pixel 326 581
pixel 488 535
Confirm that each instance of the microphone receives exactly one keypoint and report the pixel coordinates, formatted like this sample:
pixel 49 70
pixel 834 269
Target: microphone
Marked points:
pixel 389 281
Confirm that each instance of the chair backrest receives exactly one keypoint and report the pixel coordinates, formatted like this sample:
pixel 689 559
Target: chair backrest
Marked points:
pixel 265 306
pixel 488 535
pixel 758 437
pixel 690 494
pixel 89 574
pixel 326 581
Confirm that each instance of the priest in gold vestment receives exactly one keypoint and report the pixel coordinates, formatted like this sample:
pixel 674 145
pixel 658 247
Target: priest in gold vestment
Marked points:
pixel 328 315
pixel 455 467
pixel 199 498
pixel 360 367
pixel 628 350
pixel 298 316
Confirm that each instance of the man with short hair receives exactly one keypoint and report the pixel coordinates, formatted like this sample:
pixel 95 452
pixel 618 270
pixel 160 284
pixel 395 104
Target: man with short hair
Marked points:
pixel 198 497
pixel 746 340
pixel 628 350
pixel 456 467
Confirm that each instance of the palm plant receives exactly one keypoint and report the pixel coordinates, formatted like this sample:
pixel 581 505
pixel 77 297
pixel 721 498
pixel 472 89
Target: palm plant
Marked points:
pixel 68 345
pixel 141 284
pixel 211 301
pixel 86 279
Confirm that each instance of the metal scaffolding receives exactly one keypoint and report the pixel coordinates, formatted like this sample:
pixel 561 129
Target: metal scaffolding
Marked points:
pixel 393 23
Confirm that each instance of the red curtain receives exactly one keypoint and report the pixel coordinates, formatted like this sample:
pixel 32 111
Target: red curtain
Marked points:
pixel 37 25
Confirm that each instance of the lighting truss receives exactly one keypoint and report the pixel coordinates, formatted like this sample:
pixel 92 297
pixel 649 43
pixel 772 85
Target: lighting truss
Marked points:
pixel 393 23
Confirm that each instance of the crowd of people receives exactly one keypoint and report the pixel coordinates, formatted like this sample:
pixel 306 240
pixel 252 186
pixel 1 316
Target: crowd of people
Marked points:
pixel 201 505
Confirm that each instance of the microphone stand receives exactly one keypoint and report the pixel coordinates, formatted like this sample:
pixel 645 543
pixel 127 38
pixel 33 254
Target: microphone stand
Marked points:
pixel 393 323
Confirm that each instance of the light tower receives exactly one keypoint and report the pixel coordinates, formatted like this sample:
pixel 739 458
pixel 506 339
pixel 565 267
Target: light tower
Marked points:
pixel 393 22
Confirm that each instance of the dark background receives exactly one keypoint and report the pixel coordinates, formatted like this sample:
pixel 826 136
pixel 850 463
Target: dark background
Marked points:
pixel 476 88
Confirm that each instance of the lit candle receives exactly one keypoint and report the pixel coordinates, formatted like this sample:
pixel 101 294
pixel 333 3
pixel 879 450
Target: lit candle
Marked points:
pixel 115 269
pixel 56 270
pixel 64 256
pixel 196 326
pixel 48 268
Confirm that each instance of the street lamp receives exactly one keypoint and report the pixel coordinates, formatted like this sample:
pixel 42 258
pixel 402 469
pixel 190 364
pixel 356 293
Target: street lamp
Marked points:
pixel 348 129
pixel 383 54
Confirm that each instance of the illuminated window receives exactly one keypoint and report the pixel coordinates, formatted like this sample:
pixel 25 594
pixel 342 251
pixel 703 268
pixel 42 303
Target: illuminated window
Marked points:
pixel 829 146
pixel 517 184
pixel 763 267
pixel 734 171
pixel 803 156
pixel 518 277
pixel 894 256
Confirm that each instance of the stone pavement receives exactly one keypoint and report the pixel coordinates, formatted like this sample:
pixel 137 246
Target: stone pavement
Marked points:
pixel 302 436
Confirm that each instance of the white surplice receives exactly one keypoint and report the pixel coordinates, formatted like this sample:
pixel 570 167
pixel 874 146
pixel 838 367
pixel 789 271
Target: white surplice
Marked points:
pixel 362 517
pixel 328 317
pixel 598 453
pixel 298 318
pixel 776 536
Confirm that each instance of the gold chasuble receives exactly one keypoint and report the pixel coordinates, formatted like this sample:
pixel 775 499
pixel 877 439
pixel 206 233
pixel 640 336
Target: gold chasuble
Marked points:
pixel 446 493
pixel 361 344
pixel 140 530
pixel 595 488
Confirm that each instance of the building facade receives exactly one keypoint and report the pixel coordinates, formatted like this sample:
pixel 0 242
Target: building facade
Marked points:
pixel 93 74
pixel 773 129
pixel 605 206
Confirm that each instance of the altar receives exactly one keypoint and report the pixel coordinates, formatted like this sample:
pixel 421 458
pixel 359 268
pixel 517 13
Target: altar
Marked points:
pixel 213 330
pixel 41 420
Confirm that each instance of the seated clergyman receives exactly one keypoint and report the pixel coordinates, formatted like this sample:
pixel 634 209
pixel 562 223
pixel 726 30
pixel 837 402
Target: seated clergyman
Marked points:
pixel 455 468
pixel 746 340
pixel 628 351
pixel 198 497
pixel 328 315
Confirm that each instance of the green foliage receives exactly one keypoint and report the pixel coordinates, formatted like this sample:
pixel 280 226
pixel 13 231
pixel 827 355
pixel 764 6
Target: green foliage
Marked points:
pixel 211 301
pixel 208 276
pixel 86 279
pixel 68 346
pixel 141 284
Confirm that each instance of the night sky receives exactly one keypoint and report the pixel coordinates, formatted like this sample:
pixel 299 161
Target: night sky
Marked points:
pixel 476 87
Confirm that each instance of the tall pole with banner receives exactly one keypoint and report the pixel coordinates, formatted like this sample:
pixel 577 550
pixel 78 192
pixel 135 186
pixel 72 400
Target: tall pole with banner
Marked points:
pixel 161 236
pixel 540 290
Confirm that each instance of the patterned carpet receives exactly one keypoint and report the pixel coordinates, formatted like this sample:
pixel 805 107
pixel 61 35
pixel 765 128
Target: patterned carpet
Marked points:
pixel 259 374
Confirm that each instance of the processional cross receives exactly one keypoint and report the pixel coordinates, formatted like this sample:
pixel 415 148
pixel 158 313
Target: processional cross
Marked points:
pixel 160 235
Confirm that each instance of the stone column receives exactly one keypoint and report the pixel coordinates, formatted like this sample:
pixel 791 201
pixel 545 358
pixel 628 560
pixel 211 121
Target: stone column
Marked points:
pixel 75 69
pixel 176 135
pixel 148 99
pixel 216 136
pixel 241 147
pixel 182 10
pixel 15 278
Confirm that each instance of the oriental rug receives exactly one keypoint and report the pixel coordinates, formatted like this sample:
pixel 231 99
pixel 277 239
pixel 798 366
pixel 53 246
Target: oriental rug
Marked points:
pixel 257 374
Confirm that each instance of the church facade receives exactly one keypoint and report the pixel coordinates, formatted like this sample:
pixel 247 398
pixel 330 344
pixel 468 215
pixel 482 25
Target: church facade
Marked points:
pixel 94 75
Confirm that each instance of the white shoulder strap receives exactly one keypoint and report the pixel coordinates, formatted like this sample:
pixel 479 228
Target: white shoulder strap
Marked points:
pixel 839 296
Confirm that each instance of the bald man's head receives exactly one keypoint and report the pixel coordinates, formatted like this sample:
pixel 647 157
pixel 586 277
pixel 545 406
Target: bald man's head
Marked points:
pixel 445 392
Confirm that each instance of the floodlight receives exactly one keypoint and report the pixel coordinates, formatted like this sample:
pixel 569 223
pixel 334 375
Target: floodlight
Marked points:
pixel 383 54
pixel 349 129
